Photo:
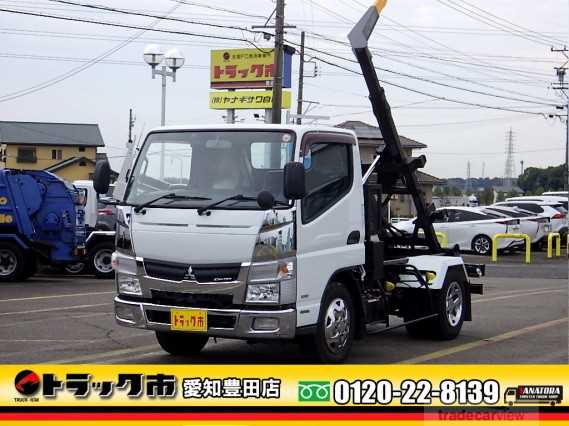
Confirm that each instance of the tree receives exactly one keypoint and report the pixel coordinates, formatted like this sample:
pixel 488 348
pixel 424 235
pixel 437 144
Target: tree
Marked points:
pixel 535 181
pixel 486 197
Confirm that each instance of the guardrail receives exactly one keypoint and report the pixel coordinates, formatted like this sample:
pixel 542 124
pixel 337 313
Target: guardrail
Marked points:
pixel 443 239
pixel 496 237
pixel 557 237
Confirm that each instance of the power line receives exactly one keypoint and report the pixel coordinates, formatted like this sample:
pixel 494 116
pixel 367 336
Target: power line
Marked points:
pixel 473 14
pixel 77 70
pixel 551 104
pixel 541 35
pixel 147 15
pixel 442 98
pixel 220 9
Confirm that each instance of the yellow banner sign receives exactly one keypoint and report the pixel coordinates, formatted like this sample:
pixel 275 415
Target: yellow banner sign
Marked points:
pixel 241 65
pixel 246 99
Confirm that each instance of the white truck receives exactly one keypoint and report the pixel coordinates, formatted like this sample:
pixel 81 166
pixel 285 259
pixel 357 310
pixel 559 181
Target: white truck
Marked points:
pixel 264 232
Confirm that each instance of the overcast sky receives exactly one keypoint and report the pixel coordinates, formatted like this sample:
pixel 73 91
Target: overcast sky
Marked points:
pixel 425 39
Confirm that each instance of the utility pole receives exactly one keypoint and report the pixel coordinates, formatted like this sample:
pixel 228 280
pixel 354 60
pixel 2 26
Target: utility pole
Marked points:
pixel 278 65
pixel 300 79
pixel 130 125
pixel 563 87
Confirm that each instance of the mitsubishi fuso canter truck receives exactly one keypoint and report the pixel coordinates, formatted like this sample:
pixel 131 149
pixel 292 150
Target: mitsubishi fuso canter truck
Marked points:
pixel 264 232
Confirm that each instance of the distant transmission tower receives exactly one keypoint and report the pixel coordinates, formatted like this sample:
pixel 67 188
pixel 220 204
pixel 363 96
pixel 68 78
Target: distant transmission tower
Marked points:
pixel 509 171
pixel 483 169
pixel 467 189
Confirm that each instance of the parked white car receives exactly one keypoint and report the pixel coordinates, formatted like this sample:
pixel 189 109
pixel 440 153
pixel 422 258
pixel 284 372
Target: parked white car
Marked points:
pixel 556 213
pixel 537 227
pixel 550 199
pixel 470 229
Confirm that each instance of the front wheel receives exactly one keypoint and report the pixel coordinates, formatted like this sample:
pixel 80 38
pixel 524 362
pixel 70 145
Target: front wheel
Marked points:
pixel 183 344
pixel 100 260
pixel 336 326
pixel 482 245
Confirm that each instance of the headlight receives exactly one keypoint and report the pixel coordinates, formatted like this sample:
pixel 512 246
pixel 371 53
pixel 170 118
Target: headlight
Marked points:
pixel 124 264
pixel 128 284
pixel 263 293
pixel 272 271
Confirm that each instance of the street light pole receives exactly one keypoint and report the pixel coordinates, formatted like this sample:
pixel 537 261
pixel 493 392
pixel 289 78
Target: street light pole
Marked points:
pixel 153 56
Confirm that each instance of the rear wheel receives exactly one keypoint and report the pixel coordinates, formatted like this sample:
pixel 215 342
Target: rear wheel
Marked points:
pixel 482 245
pixel 75 268
pixel 181 343
pixel 100 260
pixel 336 326
pixel 11 262
pixel 450 304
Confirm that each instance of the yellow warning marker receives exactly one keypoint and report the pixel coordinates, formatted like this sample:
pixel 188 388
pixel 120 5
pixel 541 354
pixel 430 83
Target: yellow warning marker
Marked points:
pixel 379 5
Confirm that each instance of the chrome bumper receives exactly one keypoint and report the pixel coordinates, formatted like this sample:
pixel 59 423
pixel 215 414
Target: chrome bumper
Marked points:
pixel 230 323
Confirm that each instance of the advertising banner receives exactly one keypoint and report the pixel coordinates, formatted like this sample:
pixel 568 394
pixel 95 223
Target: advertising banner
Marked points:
pixel 190 393
pixel 246 69
pixel 246 99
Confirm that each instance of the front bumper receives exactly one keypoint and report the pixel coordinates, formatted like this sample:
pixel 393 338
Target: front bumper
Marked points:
pixel 230 323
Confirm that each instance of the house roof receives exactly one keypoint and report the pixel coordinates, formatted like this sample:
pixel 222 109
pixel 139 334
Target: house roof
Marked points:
pixel 68 162
pixel 371 135
pixel 427 179
pixel 35 133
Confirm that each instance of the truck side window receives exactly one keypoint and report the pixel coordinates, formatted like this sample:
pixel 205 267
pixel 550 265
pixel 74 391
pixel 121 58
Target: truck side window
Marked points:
pixel 328 177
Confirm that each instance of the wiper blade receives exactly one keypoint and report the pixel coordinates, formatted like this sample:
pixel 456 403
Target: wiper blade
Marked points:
pixel 171 196
pixel 238 197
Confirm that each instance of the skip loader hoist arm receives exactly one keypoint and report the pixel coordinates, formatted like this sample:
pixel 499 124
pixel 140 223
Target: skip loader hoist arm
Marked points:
pixel 395 171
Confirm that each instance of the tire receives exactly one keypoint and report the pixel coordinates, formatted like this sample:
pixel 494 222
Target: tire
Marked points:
pixel 76 268
pixel 183 344
pixel 336 326
pixel 440 327
pixel 12 262
pixel 449 323
pixel 100 260
pixel 482 245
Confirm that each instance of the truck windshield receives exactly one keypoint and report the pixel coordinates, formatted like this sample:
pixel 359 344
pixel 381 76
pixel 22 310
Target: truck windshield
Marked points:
pixel 212 165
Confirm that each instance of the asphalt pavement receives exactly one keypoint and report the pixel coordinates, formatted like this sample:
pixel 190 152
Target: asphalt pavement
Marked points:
pixel 521 318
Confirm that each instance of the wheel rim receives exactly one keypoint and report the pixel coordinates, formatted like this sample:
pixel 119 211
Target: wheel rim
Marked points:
pixel 454 304
pixel 75 268
pixel 102 261
pixel 482 245
pixel 337 325
pixel 8 262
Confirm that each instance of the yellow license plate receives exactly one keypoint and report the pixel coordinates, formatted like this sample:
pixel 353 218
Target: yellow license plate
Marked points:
pixel 188 320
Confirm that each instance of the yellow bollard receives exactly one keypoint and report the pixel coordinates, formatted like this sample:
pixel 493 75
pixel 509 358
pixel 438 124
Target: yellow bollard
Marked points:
pixel 550 238
pixel 443 239
pixel 496 237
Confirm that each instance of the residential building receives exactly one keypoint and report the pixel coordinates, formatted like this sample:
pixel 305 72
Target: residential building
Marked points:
pixel 68 150
pixel 371 141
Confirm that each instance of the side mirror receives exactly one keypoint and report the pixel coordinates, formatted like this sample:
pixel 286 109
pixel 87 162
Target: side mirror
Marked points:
pixel 294 181
pixel 265 200
pixel 102 177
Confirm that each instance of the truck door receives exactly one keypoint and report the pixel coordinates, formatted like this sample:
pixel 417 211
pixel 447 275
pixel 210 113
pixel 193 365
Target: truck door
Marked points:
pixel 330 221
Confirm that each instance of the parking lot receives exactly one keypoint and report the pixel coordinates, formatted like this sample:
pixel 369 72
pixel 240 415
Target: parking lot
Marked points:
pixel 521 318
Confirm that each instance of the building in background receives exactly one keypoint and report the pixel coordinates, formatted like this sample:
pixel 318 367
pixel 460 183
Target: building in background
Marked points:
pixel 68 150
pixel 370 141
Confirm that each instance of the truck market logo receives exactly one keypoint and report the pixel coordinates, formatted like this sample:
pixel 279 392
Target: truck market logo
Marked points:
pixel 531 394
pixel 313 391
pixel 27 382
